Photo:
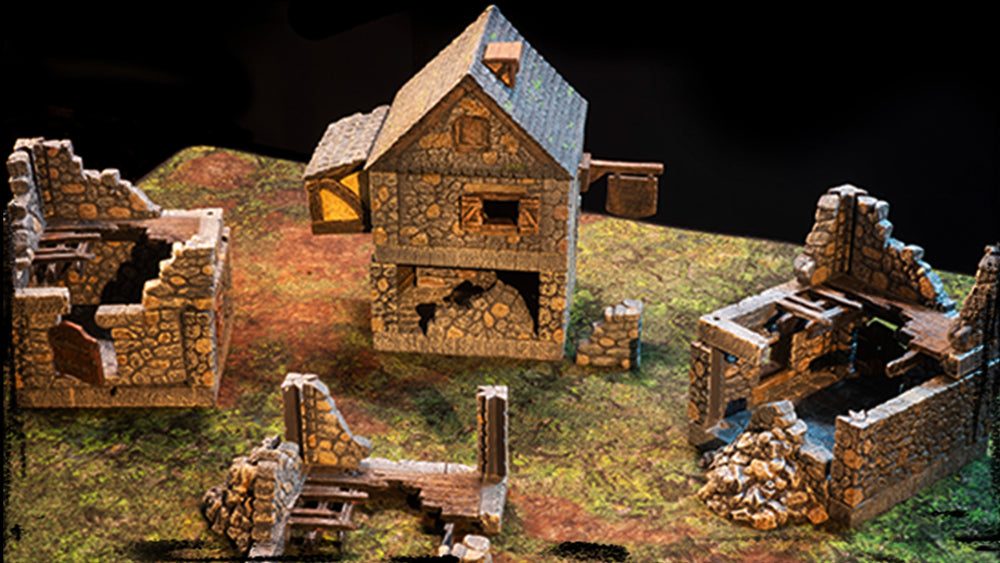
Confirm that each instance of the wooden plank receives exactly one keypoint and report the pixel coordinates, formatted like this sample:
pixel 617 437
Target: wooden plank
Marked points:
pixel 599 168
pixel 802 311
pixel 338 494
pixel 838 298
pixel 310 522
pixel 902 364
pixel 800 300
pixel 68 236
pixel 76 353
pixel 53 255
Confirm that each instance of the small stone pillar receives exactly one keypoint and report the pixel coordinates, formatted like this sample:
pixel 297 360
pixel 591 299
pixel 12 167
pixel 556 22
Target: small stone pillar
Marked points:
pixel 615 341
pixel 491 413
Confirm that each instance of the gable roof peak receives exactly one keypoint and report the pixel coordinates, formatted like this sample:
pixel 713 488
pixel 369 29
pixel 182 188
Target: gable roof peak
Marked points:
pixel 540 101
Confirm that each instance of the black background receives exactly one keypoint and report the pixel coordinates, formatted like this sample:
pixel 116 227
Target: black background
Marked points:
pixel 755 113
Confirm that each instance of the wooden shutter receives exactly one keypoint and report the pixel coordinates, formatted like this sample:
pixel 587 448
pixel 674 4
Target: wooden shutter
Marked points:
pixel 529 211
pixel 472 213
pixel 76 353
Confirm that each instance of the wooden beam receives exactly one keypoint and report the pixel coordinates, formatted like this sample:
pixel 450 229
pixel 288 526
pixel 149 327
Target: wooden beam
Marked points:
pixel 335 524
pixel 599 168
pixel 337 494
pixel 904 363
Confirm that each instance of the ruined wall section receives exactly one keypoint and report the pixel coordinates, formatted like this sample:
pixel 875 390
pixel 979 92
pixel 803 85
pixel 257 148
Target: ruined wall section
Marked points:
pixel 979 319
pixel 852 235
pixel 258 495
pixel 26 215
pixel 173 337
pixel 885 455
pixel 35 311
pixel 326 438
pixel 698 381
pixel 615 340
pixel 72 193
pixel 85 287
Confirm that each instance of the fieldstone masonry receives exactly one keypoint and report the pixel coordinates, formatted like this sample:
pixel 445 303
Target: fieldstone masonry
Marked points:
pixel 616 340
pixel 258 495
pixel 980 315
pixel 852 235
pixel 863 304
pixel 164 316
pixel 326 439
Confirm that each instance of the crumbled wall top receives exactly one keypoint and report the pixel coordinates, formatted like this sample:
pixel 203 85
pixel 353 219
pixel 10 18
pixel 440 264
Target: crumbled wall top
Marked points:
pixel 852 236
pixel 72 193
pixel 541 102
pixel 346 142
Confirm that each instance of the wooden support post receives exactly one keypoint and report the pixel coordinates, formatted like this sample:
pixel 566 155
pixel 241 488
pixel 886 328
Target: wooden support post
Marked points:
pixel 293 415
pixel 491 410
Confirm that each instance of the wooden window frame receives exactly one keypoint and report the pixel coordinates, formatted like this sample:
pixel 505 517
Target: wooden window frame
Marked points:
pixel 474 219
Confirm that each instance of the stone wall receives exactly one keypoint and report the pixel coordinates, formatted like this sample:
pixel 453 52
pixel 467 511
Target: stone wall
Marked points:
pixel 979 320
pixel 26 215
pixel 852 235
pixel 499 149
pixel 888 453
pixel 472 307
pixel 615 341
pixel 167 324
pixel 326 440
pixel 73 193
pixel 35 311
pixel 258 495
pixel 421 215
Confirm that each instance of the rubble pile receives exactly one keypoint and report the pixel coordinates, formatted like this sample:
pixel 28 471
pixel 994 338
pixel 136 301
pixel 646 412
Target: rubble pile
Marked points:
pixel 615 341
pixel 765 478
pixel 473 549
pixel 260 489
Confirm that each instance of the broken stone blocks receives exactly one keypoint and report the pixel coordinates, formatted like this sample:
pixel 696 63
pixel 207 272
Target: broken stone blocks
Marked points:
pixel 615 341
pixel 259 492
pixel 767 478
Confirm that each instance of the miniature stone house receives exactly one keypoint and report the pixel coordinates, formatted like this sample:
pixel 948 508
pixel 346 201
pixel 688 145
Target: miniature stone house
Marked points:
pixel 117 302
pixel 470 185
pixel 893 384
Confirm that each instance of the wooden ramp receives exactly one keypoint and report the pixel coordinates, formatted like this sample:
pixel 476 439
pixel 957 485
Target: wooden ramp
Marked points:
pixel 453 492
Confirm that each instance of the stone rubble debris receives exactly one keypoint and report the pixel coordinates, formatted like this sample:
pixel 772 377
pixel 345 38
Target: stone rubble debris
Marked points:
pixel 765 478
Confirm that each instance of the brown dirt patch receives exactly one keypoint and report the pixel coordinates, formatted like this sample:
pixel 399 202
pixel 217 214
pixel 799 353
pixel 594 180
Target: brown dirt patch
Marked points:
pixel 559 520
pixel 221 170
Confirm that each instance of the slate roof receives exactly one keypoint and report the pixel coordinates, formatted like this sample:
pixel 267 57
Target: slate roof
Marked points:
pixel 346 142
pixel 541 102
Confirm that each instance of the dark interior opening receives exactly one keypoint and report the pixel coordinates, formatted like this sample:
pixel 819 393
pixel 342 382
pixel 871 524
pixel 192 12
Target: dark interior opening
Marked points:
pixel 736 406
pixel 502 212
pixel 526 283
pixel 876 343
pixel 426 312
pixel 463 293
pixel 143 264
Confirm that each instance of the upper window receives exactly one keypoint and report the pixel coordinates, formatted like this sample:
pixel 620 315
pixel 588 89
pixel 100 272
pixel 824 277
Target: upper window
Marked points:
pixel 500 214
pixel 471 133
